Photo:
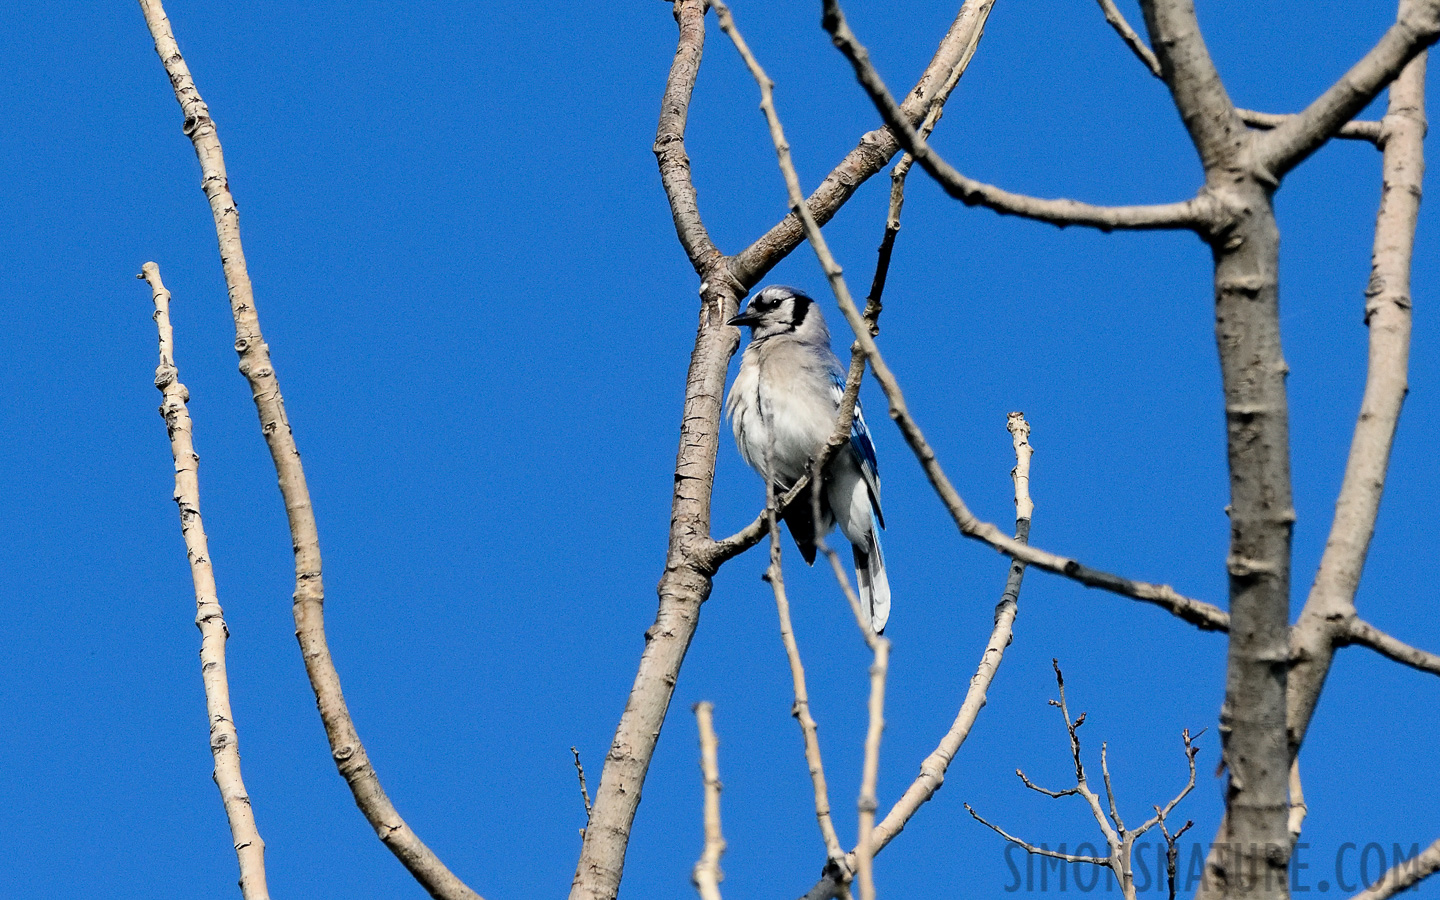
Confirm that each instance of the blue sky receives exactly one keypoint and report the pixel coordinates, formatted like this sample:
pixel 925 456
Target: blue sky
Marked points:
pixel 481 319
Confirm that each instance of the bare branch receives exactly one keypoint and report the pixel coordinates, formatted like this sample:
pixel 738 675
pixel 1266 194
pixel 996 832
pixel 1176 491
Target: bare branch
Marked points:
pixel 255 364
pixel 801 710
pixel 1109 791
pixel 1038 851
pixel 1404 875
pixel 865 852
pixel 875 148
pixel 1324 621
pixel 1367 635
pixel 1132 40
pixel 1197 213
pixel 707 875
pixel 209 617
pixel 670 139
pixel 1355 130
pixel 689 565
pixel 1068 792
pixel 584 790
pixel 1159 819
pixel 1172 850
pixel 1417 27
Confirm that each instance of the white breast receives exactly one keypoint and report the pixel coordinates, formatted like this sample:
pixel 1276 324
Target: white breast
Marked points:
pixel 780 392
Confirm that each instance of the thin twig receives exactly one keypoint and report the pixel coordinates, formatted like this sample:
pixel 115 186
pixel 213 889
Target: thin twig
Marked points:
pixel 1038 851
pixel 1172 850
pixel 255 364
pixel 932 770
pixel 707 875
pixel 1119 839
pixel 865 851
pixel 209 617
pixel 1366 130
pixel 1109 790
pixel 874 149
pixel 775 574
pixel 584 791
pixel 1068 792
pixel 1190 753
pixel 1127 34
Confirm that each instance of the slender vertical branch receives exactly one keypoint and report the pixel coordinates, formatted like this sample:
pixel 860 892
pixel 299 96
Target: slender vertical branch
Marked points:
pixel 1329 609
pixel 865 851
pixel 809 730
pixel 707 875
pixel 689 564
pixel 255 364
pixel 1127 34
pixel 209 617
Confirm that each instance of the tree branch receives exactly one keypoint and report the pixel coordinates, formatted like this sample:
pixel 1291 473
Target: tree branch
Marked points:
pixel 1197 213
pixel 1367 635
pixel 1324 621
pixel 1119 839
pixel 670 140
pixel 801 710
pixel 1132 40
pixel 1404 875
pixel 689 564
pixel 865 851
pixel 1290 143
pixel 1355 130
pixel 1038 851
pixel 209 617
pixel 707 875
pixel 255 364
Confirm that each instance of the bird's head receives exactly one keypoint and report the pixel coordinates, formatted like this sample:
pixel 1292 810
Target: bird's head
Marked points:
pixel 782 310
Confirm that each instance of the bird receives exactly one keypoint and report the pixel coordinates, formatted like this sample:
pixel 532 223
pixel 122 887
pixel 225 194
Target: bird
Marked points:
pixel 782 408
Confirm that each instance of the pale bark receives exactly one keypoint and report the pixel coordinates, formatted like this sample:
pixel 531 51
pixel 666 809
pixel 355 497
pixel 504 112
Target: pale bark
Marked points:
pixel 707 874
pixel 1328 618
pixel 255 364
pixel 1404 875
pixel 209 617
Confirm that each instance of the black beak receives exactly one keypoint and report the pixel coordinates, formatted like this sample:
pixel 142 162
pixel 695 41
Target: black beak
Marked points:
pixel 746 317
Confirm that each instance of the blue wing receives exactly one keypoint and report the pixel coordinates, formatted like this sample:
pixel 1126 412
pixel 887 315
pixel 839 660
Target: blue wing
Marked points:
pixel 861 447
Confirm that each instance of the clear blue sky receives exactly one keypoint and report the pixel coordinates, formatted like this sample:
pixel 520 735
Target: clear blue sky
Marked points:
pixel 481 319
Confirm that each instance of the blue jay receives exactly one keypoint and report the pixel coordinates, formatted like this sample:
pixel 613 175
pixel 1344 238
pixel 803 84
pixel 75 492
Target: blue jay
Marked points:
pixel 783 407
